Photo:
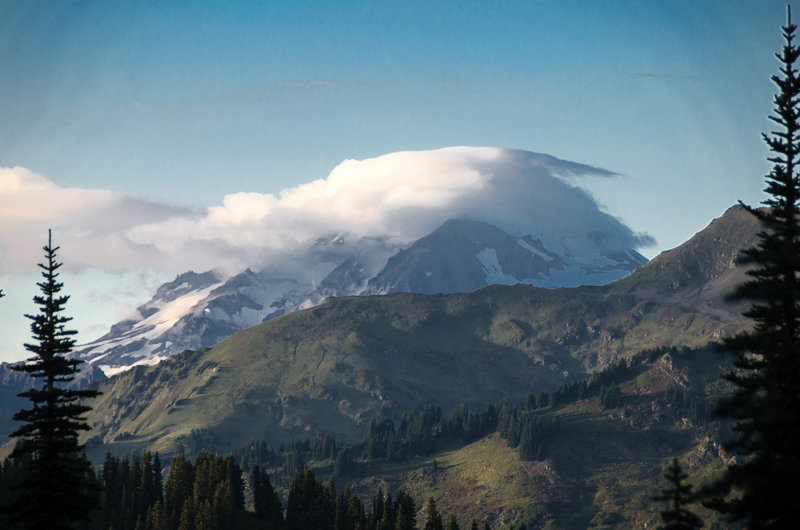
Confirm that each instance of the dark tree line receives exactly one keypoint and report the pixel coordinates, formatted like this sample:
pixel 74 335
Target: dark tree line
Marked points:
pixel 130 489
pixel 422 431
pixel 530 433
pixel 314 505
pixel 209 493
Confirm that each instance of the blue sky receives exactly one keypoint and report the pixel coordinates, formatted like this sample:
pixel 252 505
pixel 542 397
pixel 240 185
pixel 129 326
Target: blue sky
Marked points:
pixel 178 104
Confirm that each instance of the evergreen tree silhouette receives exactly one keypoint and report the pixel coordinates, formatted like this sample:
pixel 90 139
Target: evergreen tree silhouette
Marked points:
pixel 59 488
pixel 433 520
pixel 678 495
pixel 762 487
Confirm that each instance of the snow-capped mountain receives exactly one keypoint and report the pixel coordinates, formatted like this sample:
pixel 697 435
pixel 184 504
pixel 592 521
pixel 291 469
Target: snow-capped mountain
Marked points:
pixel 198 310
pixel 463 255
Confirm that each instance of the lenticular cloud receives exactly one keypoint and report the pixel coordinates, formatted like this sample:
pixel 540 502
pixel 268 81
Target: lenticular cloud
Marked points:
pixel 402 196
pixel 110 237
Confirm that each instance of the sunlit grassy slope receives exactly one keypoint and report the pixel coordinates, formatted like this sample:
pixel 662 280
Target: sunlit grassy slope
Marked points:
pixel 600 471
pixel 334 367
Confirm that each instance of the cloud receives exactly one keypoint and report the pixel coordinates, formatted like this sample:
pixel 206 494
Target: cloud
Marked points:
pixel 90 225
pixel 402 195
pixel 118 249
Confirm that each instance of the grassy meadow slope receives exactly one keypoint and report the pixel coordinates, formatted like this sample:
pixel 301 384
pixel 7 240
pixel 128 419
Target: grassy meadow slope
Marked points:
pixel 702 272
pixel 601 469
pixel 333 367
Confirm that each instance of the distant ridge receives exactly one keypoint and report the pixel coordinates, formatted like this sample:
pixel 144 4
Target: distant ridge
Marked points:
pixel 701 272
pixel 199 310
pixel 333 367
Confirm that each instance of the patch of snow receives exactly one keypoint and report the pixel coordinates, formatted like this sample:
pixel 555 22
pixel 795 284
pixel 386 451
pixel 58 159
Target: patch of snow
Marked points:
pixel 148 329
pixel 491 267
pixel 171 312
pixel 308 303
pixel 577 274
pixel 601 262
pixel 635 256
pixel 535 251
pixel 114 370
pixel 247 317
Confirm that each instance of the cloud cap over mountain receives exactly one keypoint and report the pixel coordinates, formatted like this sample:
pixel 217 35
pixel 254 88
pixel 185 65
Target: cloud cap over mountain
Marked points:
pixel 402 195
pixel 405 195
pixel 109 239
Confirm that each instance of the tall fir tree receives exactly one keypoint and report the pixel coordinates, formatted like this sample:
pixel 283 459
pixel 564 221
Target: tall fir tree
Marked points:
pixel 266 502
pixel 762 488
pixel 433 520
pixel 678 495
pixel 58 489
pixel 405 512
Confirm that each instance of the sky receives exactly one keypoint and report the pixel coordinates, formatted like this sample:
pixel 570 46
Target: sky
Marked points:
pixel 158 137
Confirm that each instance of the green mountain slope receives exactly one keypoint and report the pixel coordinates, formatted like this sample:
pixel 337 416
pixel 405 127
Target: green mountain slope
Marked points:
pixel 599 471
pixel 333 367
pixel 701 272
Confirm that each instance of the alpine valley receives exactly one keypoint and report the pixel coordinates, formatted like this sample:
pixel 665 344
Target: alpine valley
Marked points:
pixel 552 407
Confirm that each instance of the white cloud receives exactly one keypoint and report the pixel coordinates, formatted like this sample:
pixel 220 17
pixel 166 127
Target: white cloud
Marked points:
pixel 404 195
pixel 112 237
pixel 90 225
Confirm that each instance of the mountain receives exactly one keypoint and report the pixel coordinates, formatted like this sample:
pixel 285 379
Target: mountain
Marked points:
pixel 463 256
pixel 334 366
pixel 199 310
pixel 11 384
pixel 600 469
pixel 702 272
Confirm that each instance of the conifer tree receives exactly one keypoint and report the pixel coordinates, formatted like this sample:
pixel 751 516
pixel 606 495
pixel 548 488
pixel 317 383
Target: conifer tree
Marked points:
pixel 307 505
pixel 266 503
pixel 405 512
pixel 452 523
pixel 678 495
pixel 178 490
pixel 57 490
pixel 187 517
pixel 762 487
pixel 434 519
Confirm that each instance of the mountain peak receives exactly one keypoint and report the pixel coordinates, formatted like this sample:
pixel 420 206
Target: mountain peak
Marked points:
pixel 703 268
pixel 462 255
